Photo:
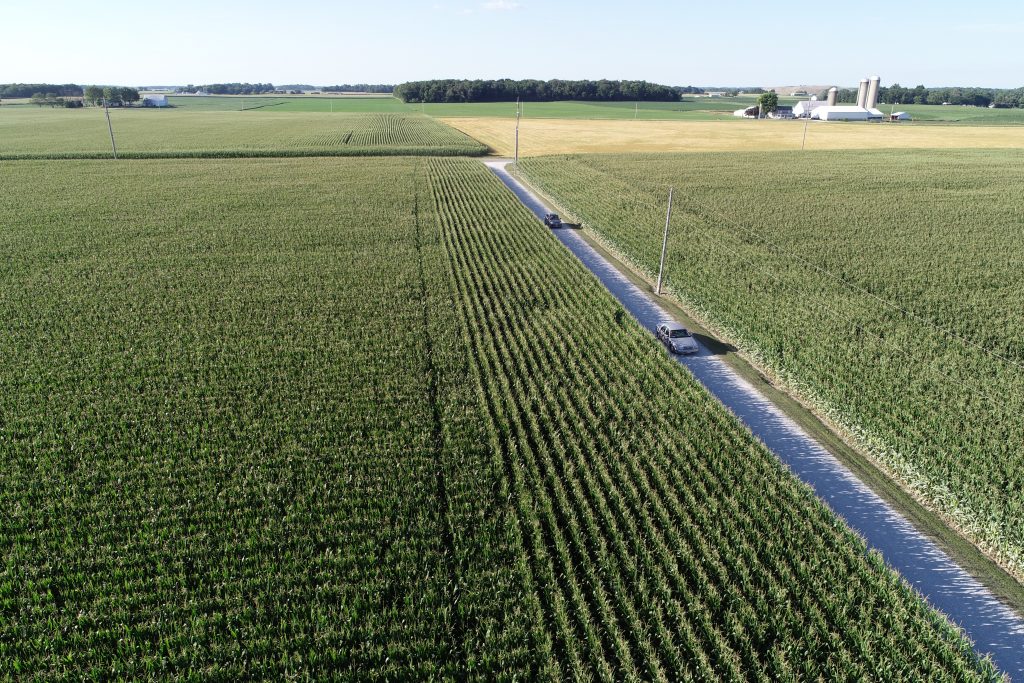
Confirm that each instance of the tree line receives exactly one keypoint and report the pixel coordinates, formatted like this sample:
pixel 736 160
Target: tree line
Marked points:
pixel 70 94
pixel 112 95
pixel 504 90
pixel 229 88
pixel 359 87
pixel 976 97
pixel 22 90
pixel 49 99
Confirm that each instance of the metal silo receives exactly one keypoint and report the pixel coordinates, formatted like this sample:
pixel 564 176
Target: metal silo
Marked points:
pixel 833 96
pixel 862 93
pixel 873 92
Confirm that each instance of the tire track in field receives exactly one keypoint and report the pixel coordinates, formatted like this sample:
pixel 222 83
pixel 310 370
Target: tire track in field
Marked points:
pixel 457 651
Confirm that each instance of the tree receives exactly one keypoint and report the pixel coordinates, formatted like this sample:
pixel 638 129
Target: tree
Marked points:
pixel 769 102
pixel 93 94
pixel 128 96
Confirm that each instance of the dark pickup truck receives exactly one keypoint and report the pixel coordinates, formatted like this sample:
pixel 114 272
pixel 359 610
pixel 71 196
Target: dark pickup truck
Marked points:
pixel 552 220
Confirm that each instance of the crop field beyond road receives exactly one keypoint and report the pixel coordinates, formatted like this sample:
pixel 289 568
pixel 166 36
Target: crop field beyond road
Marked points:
pixel 71 133
pixel 356 104
pixel 320 418
pixel 567 136
pixel 885 287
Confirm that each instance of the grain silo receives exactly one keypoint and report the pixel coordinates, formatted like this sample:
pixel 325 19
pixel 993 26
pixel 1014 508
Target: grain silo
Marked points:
pixel 872 99
pixel 862 93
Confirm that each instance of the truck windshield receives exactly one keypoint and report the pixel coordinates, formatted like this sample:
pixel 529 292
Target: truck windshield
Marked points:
pixel 676 334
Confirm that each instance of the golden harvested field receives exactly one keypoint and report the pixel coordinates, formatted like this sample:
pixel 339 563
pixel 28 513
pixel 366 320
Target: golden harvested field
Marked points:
pixel 568 136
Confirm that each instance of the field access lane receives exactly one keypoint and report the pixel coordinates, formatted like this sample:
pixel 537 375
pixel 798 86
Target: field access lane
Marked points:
pixel 994 628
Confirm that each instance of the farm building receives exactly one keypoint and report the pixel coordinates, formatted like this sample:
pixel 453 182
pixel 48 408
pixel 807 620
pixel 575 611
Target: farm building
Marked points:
pixel 807 107
pixel 840 113
pixel 846 113
pixel 154 101
pixel 781 112
pixel 749 112
pixel 900 116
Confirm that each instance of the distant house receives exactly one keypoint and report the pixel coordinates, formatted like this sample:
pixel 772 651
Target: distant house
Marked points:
pixel 900 116
pixel 715 94
pixel 154 101
pixel 781 112
pixel 799 93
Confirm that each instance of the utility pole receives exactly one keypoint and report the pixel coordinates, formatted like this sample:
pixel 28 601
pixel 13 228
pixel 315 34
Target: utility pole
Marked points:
pixel 664 240
pixel 806 122
pixel 517 133
pixel 110 127
pixel 636 110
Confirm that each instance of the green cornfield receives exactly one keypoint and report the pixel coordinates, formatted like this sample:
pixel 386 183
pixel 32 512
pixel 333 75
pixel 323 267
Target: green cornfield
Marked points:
pixel 885 287
pixel 321 418
pixel 30 133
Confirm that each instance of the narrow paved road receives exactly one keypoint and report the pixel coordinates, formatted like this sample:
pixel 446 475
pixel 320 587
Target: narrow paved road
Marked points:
pixel 994 628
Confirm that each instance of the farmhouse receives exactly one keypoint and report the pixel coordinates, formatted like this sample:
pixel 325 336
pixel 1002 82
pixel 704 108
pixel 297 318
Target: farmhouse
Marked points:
pixel 154 101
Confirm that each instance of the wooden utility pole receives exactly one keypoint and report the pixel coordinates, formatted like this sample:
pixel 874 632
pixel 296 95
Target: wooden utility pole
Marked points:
pixel 664 240
pixel 110 127
pixel 517 133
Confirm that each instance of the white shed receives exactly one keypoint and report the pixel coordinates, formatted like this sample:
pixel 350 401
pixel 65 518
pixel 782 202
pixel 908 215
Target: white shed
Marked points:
pixel 154 101
pixel 900 116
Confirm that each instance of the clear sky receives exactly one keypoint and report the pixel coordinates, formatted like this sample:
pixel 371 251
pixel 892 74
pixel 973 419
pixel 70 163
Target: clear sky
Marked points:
pixel 324 42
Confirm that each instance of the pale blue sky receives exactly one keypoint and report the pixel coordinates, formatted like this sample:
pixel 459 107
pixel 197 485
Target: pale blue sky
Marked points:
pixel 676 43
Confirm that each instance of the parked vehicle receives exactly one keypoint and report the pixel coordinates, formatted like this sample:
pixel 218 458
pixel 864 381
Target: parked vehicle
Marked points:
pixel 676 337
pixel 552 220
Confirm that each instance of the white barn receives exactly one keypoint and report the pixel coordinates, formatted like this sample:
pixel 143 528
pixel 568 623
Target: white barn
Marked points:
pixel 840 113
pixel 807 107
pixel 154 101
